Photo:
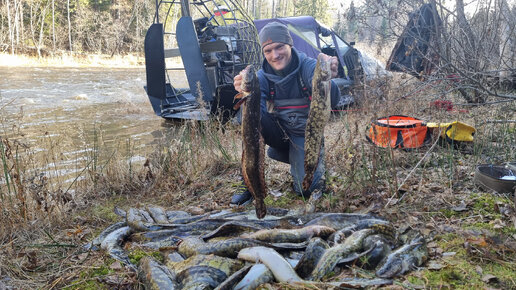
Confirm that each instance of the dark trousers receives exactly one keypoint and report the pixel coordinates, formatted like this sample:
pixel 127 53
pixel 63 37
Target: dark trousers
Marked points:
pixel 293 146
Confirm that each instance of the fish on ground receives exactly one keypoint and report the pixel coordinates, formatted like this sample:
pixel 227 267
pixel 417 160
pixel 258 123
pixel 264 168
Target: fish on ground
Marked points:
pixel 380 247
pixel 317 118
pixel 280 268
pixel 112 245
pixel 158 214
pixel 406 258
pixel 313 253
pixel 258 274
pixel 231 281
pixel 228 248
pixel 291 235
pixel 98 240
pixel 201 277
pixel 333 255
pixel 338 220
pixel 253 148
pixel 232 228
pixel 157 276
pixel 226 265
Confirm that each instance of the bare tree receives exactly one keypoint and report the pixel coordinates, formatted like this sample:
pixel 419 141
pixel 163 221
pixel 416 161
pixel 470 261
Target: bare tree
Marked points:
pixel 471 53
pixel 10 26
pixel 69 26
pixel 53 27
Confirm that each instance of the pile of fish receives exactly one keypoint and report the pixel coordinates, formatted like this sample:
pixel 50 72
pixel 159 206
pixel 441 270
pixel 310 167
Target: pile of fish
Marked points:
pixel 236 250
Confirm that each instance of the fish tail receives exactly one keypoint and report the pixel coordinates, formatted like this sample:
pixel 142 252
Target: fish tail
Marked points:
pixel 261 209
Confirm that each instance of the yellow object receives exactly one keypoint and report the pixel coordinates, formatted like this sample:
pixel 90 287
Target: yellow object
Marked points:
pixel 457 131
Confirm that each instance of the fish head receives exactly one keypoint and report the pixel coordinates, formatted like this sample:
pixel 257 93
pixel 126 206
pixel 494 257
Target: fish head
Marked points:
pixel 390 268
pixel 248 77
pixel 408 263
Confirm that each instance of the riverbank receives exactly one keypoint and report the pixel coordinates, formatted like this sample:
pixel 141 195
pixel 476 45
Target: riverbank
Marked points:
pixel 471 232
pixel 73 60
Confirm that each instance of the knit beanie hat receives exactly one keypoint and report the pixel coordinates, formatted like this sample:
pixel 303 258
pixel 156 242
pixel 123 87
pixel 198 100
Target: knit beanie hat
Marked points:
pixel 274 32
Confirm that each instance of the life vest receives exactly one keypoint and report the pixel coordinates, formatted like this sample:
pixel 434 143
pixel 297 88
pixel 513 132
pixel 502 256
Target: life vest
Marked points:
pixel 291 111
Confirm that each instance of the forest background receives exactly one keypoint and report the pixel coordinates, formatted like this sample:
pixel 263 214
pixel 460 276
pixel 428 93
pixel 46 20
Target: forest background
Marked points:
pixel 478 37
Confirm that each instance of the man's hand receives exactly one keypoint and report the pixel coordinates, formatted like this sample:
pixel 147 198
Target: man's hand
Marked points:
pixel 334 66
pixel 237 82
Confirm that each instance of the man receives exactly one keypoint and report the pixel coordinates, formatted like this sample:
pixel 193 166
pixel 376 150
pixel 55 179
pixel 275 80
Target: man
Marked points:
pixel 285 84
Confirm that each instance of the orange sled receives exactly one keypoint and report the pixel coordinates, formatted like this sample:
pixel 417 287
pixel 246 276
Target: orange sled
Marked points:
pixel 398 131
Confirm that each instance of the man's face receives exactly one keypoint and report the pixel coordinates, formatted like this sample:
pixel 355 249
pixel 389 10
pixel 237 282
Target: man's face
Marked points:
pixel 278 55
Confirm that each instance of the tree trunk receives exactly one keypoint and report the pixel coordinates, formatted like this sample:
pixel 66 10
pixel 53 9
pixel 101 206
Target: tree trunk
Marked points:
pixel 17 21
pixel 41 31
pixel 470 49
pixel 69 26
pixel 53 28
pixel 10 26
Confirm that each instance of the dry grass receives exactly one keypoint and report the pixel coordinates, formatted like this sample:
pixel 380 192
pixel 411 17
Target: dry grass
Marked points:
pixel 44 226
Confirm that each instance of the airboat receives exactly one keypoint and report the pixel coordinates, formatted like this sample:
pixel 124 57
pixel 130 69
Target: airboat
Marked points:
pixel 214 40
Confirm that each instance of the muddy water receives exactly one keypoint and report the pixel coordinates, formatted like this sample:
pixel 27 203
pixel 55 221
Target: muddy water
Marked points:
pixel 65 117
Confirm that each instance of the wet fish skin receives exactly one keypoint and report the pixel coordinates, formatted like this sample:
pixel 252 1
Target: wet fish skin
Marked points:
pixel 188 219
pixel 135 220
pixel 317 118
pixel 112 245
pixel 140 220
pixel 404 259
pixel 333 255
pixel 98 240
pixel 343 233
pixel 171 241
pixel 291 235
pixel 231 281
pixel 157 276
pixel 253 149
pixel 338 220
pixel 232 228
pixel 176 214
pixel 280 268
pixel 380 248
pixel 158 214
pixel 226 265
pixel 258 274
pixel 120 212
pixel 201 277
pixel 228 248
pixel 311 257
pixel 173 257
pixel 146 216
pixel 153 236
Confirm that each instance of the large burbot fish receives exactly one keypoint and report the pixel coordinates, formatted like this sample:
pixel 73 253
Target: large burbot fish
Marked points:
pixel 317 118
pixel 253 153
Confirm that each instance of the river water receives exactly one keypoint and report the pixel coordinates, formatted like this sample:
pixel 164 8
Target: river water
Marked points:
pixel 62 116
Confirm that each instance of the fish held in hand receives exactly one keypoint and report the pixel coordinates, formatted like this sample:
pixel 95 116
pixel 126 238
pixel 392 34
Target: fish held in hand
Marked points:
pixel 317 118
pixel 253 152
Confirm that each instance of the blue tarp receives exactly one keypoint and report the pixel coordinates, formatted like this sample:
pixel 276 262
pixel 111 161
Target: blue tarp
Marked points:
pixel 304 31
